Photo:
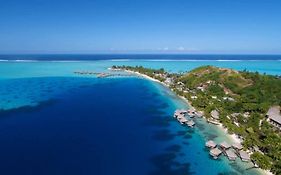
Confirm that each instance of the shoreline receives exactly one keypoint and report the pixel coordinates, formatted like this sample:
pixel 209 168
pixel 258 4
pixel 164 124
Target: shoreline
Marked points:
pixel 233 137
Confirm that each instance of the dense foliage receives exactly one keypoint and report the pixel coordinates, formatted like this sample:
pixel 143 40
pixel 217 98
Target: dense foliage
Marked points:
pixel 253 94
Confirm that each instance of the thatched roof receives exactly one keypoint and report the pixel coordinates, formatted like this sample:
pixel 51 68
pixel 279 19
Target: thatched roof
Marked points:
pixel 237 146
pixel 225 145
pixel 215 152
pixel 230 154
pixel 274 114
pixel 215 114
pixel 244 156
pixel 211 144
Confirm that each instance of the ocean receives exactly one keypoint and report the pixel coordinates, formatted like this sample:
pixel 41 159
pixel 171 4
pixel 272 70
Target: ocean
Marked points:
pixel 55 122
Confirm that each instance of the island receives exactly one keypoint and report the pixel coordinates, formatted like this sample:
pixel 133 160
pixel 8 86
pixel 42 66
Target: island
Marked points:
pixel 246 103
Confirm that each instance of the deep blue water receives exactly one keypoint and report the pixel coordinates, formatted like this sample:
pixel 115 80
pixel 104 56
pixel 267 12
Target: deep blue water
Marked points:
pixel 94 127
pixel 88 57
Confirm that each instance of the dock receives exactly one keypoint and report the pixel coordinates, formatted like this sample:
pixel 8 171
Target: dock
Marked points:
pixel 103 75
pixel 100 74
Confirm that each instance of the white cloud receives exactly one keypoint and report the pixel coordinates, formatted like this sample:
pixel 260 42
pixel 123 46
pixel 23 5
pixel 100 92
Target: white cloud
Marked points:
pixel 163 48
pixel 180 48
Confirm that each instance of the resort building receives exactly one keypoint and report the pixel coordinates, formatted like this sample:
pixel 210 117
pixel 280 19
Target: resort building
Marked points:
pixel 237 146
pixel 244 156
pixel 190 123
pixel 193 97
pixel 201 88
pixel 210 144
pixel 215 153
pixel 168 81
pixel 179 113
pixel 182 120
pixel 274 117
pixel 191 112
pixel 215 115
pixel 225 145
pixel 230 154
pixel 228 98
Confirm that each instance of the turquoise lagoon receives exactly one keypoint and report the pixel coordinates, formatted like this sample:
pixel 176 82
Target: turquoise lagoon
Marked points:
pixel 55 122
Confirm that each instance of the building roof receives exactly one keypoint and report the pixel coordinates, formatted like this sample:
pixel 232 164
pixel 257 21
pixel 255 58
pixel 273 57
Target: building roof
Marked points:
pixel 274 114
pixel 215 114
pixel 190 123
pixel 182 111
pixel 179 116
pixel 225 145
pixel 215 152
pixel 211 143
pixel 183 120
pixel 228 98
pixel 244 155
pixel 237 146
pixel 230 154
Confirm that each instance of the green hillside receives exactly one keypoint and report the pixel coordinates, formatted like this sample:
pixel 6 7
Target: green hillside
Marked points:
pixel 242 99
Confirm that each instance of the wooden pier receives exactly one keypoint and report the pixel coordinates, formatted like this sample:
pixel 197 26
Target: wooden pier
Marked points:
pixel 100 74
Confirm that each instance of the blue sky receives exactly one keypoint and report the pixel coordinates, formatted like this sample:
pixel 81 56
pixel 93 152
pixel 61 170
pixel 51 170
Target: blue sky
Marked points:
pixel 140 26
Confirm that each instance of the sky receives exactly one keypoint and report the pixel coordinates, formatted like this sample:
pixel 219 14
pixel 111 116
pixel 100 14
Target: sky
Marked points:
pixel 140 26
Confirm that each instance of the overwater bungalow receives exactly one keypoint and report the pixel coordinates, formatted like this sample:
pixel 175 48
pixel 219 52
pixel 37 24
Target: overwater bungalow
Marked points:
pixel 244 156
pixel 237 146
pixel 210 144
pixel 215 152
pixel 190 123
pixel 224 145
pixel 180 113
pixel 230 154
pixel 191 112
pixel 177 114
pixel 182 120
